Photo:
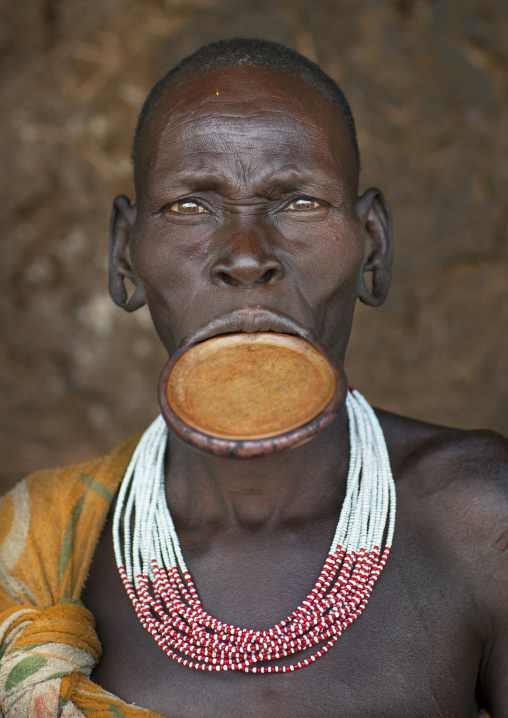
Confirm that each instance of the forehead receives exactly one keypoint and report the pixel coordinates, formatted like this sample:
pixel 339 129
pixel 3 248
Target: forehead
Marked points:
pixel 250 117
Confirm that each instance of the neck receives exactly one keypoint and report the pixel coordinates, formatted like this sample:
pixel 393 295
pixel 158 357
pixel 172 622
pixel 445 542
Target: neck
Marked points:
pixel 267 491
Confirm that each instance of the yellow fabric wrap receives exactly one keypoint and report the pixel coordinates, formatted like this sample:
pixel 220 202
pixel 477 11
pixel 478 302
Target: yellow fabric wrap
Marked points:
pixel 50 524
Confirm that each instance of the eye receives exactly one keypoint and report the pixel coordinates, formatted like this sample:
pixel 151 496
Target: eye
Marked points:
pixel 303 204
pixel 186 206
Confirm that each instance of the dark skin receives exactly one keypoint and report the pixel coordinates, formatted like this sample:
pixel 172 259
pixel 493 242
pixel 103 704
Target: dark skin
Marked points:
pixel 245 200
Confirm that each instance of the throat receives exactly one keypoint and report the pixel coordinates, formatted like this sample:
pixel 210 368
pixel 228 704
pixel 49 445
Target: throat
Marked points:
pixel 258 493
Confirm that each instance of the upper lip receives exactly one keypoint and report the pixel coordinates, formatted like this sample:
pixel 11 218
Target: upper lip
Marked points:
pixel 249 320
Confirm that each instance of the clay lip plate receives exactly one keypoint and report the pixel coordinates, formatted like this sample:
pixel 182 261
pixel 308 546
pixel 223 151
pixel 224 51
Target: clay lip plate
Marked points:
pixel 242 387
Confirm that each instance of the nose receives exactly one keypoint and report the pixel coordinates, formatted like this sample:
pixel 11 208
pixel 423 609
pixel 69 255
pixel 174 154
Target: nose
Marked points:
pixel 244 261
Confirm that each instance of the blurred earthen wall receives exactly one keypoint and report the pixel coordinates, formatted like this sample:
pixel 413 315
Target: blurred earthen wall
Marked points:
pixel 428 82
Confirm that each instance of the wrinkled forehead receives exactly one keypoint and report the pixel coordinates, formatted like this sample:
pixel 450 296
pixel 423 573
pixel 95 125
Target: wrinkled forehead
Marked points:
pixel 251 116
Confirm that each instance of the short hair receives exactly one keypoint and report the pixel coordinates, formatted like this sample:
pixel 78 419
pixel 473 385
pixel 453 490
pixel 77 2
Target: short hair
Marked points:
pixel 250 52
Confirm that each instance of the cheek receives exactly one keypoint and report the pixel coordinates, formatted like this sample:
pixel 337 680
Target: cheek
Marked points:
pixel 169 260
pixel 170 271
pixel 328 256
pixel 328 264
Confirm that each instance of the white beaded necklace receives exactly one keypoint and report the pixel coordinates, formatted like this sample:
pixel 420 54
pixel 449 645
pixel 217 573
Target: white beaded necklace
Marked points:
pixel 159 584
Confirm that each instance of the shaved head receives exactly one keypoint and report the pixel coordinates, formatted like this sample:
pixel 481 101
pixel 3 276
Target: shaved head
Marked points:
pixel 241 52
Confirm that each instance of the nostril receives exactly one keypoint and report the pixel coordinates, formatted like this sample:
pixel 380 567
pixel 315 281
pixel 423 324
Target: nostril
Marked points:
pixel 228 279
pixel 268 276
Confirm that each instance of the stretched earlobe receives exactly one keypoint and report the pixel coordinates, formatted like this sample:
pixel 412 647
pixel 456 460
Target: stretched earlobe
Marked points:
pixel 123 216
pixel 375 214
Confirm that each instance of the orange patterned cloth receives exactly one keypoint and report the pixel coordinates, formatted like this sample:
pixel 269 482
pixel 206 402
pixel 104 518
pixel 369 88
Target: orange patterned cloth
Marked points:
pixel 50 524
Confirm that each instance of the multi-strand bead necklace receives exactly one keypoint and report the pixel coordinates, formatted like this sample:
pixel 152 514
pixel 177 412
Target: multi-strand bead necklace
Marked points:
pixel 161 589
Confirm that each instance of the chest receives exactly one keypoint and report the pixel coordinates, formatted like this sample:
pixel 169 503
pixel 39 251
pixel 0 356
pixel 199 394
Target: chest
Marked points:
pixel 410 653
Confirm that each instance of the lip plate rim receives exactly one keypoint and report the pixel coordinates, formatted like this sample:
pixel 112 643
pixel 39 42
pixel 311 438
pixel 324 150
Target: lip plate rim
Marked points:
pixel 250 448
pixel 234 341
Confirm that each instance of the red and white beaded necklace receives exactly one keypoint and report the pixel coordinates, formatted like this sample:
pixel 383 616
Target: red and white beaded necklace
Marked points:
pixel 161 589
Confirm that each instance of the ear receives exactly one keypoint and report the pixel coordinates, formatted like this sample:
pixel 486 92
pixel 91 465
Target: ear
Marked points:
pixel 123 216
pixel 376 217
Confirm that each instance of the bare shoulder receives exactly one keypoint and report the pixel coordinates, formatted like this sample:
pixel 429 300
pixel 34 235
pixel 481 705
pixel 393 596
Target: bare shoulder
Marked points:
pixel 452 490
pixel 445 460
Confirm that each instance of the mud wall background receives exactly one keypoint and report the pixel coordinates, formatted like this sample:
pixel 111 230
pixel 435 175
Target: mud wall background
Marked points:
pixel 428 82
